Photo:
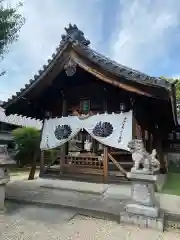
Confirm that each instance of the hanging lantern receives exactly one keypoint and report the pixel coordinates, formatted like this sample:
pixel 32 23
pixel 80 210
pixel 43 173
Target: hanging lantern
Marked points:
pixel 70 67
pixel 122 107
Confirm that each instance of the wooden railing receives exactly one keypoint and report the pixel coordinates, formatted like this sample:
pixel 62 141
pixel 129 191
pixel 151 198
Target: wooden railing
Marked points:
pixel 83 165
pixel 85 161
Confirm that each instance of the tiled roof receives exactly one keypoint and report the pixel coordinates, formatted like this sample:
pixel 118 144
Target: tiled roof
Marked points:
pixel 76 37
pixel 19 120
pixel 121 70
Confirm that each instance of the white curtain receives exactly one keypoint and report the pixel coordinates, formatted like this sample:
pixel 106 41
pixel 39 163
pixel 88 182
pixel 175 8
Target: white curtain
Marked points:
pixel 119 136
pixel 49 139
pixel 122 129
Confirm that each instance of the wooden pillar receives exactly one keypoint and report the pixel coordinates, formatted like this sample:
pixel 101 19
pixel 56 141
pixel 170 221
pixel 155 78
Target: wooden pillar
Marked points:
pixel 41 164
pixel 137 130
pixel 147 140
pixel 143 136
pixel 105 163
pixel 150 141
pixel 159 148
pixel 64 108
pixel 64 148
pixel 94 145
pixel 105 154
pixel 105 105
pixel 161 156
pixel 46 115
pixel 64 114
pixel 134 123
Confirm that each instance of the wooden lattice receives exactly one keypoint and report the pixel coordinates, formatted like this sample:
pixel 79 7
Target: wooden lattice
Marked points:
pixel 85 161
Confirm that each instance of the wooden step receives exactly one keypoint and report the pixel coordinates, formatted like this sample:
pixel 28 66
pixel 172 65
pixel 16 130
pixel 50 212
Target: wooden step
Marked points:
pixel 88 169
pixel 122 163
pixel 75 177
pixel 85 177
pixel 115 174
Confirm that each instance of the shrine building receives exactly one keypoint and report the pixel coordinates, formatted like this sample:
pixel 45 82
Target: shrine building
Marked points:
pixel 91 107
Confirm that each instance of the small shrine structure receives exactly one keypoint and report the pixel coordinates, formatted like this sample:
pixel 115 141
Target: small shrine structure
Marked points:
pixel 91 108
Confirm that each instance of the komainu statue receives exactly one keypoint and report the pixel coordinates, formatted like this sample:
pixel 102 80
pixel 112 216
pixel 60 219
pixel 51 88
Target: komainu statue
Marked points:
pixel 143 161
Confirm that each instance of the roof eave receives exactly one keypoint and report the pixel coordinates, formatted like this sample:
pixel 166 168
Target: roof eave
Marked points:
pixel 118 69
pixel 75 38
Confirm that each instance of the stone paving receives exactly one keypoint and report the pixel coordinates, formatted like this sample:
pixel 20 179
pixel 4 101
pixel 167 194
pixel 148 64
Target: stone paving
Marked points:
pixel 32 192
pixel 28 222
pixel 111 195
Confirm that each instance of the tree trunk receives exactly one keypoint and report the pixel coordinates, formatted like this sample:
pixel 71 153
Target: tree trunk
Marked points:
pixel 33 168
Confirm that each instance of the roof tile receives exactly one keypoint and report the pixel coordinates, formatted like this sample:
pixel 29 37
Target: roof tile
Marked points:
pixel 76 36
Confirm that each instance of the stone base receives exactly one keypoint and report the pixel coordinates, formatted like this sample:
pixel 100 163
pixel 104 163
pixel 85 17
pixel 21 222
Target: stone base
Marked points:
pixel 139 176
pixel 2 196
pixel 143 221
pixel 138 209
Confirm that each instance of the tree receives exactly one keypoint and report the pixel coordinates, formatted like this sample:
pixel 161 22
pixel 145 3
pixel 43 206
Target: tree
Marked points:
pixel 10 23
pixel 27 140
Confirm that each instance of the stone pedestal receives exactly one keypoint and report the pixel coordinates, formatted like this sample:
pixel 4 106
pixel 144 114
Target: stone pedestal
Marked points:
pixel 4 179
pixel 5 163
pixel 143 209
pixel 2 196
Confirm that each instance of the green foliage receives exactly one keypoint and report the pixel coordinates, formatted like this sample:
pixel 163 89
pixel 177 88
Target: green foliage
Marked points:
pixel 171 186
pixel 10 23
pixel 177 86
pixel 177 91
pixel 174 165
pixel 27 140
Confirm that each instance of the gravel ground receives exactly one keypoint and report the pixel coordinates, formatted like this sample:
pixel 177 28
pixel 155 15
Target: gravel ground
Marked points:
pixel 30 222
pixel 14 176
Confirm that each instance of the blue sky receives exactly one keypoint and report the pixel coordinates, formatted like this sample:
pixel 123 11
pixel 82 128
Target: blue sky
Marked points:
pixel 142 34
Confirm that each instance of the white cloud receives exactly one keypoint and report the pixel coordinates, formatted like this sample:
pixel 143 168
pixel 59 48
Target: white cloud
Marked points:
pixel 144 31
pixel 141 36
pixel 41 34
pixel 176 76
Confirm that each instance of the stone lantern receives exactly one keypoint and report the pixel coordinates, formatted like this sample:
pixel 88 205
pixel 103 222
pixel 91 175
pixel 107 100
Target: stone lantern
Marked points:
pixel 5 163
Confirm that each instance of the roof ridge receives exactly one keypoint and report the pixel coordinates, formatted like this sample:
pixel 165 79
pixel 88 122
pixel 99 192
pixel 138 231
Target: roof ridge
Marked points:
pixel 75 36
pixel 98 57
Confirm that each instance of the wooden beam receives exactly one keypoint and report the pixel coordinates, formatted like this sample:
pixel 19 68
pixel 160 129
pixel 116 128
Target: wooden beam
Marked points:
pixel 117 164
pixel 108 79
pixel 105 163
